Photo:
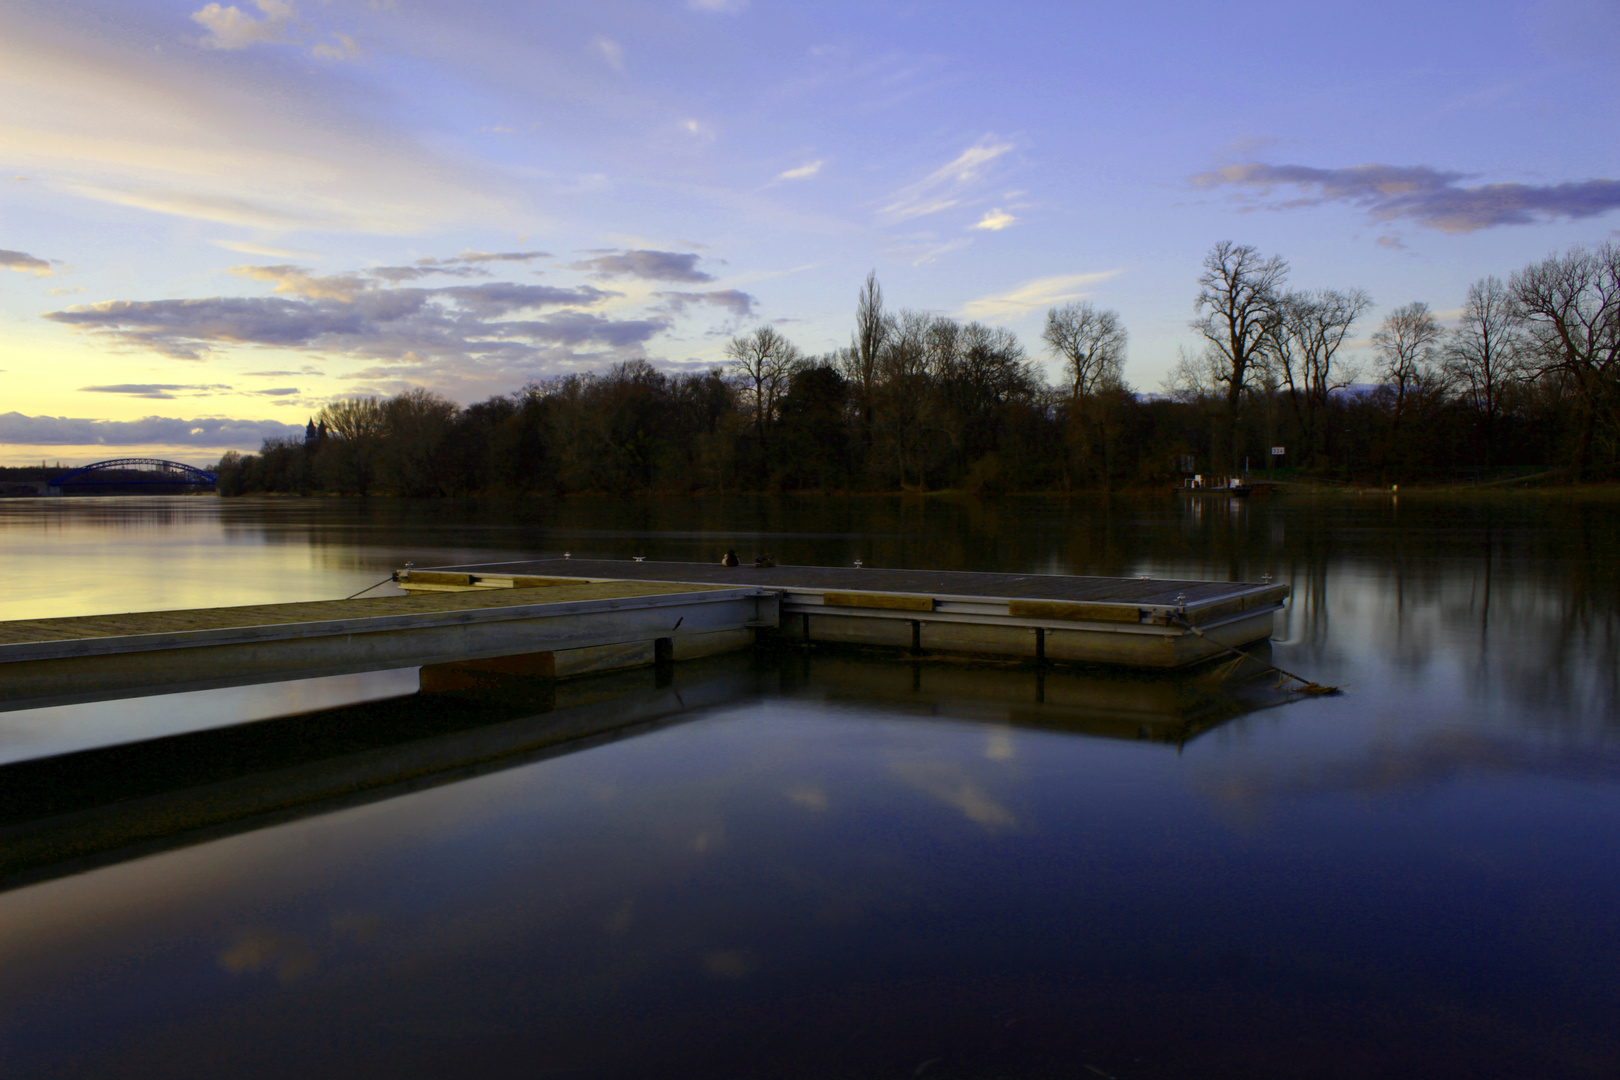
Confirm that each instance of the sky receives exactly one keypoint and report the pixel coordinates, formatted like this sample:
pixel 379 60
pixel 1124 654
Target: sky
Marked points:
pixel 215 218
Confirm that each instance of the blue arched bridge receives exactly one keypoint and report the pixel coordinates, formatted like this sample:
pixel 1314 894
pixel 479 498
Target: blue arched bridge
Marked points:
pixel 151 470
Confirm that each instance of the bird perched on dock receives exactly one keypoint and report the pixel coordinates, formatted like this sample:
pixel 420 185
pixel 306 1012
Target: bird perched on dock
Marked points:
pixel 729 558
pixel 763 561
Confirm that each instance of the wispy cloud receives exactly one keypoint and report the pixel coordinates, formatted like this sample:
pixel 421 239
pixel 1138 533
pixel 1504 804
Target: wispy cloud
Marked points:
pixel 176 133
pixel 932 252
pixel 1034 295
pixel 267 251
pixel 26 263
pixel 476 257
pixel 211 432
pixel 468 264
pixel 608 51
pixel 1430 197
pixel 723 7
pixel 947 186
pixel 397 274
pixel 650 265
pixel 995 220
pixel 157 390
pixel 803 172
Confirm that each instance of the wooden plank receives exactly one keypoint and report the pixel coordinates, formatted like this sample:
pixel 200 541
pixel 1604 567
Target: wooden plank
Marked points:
pixel 528 581
pixel 1142 592
pixel 1060 611
pixel 77 627
pixel 886 601
pixel 438 577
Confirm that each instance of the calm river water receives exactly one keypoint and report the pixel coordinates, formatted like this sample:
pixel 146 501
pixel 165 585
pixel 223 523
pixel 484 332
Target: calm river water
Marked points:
pixel 829 865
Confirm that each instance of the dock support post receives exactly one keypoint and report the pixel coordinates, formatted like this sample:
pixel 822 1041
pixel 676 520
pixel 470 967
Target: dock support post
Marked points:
pixel 806 626
pixel 1040 645
pixel 916 636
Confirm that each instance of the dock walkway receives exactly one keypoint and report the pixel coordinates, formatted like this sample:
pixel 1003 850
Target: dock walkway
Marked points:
pixel 570 629
pixel 559 617
pixel 1140 622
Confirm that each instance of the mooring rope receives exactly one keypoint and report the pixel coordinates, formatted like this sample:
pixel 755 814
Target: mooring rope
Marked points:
pixel 368 588
pixel 1306 686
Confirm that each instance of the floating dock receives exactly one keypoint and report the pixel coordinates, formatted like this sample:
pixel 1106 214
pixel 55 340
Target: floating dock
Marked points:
pixel 558 617
pixel 1137 622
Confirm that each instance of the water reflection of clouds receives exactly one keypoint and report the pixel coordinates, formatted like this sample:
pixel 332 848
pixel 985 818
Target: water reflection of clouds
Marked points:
pixel 948 782
pixel 808 796
pixel 290 956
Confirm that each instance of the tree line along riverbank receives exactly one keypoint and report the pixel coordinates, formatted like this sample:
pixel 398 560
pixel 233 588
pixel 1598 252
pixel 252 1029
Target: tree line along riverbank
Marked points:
pixel 1527 381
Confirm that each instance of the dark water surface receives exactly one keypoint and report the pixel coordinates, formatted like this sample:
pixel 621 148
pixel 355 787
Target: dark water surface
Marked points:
pixel 829 865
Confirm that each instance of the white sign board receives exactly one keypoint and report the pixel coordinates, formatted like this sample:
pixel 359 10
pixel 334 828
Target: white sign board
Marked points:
pixel 1278 451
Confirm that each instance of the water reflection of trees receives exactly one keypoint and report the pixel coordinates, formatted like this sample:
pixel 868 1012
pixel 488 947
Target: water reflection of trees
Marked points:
pixel 1521 598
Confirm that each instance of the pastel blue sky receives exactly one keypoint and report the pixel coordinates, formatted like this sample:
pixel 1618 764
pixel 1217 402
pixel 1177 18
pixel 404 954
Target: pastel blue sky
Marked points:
pixel 223 215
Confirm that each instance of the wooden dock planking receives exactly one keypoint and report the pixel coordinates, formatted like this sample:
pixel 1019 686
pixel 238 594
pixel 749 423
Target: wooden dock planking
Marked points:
pixel 1161 592
pixel 1036 596
pixel 140 623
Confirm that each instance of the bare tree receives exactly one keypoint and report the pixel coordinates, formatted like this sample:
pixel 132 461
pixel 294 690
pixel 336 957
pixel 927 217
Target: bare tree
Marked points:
pixel 872 329
pixel 1484 355
pixel 348 461
pixel 353 418
pixel 1192 378
pixel 1303 347
pixel 764 362
pixel 1091 343
pixel 1237 305
pixel 1570 305
pixel 917 345
pixel 1406 344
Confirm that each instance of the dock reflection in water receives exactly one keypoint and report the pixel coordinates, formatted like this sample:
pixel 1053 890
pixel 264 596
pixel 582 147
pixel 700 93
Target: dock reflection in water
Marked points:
pixel 72 812
pixel 810 866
